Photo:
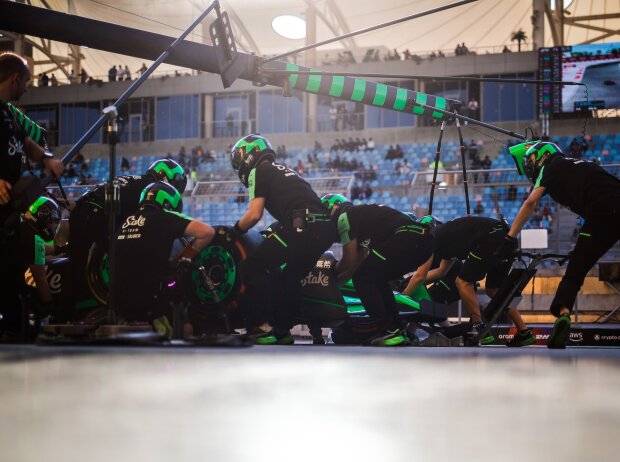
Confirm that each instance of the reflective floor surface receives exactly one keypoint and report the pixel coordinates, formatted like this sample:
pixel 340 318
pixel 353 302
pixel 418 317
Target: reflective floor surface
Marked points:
pixel 308 403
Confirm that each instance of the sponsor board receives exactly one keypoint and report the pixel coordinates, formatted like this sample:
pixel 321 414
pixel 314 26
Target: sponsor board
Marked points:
pixel 579 336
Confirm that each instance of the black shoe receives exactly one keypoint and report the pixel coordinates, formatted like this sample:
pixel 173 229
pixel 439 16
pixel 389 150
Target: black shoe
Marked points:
pixel 318 341
pixel 283 337
pixel 522 338
pixel 559 335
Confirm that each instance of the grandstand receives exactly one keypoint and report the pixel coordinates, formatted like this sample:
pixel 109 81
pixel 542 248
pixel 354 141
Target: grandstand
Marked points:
pixel 218 198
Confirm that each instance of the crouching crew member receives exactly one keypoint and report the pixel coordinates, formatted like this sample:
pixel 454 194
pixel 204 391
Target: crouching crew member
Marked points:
pixel 306 233
pixel 587 190
pixel 380 244
pixel 88 222
pixel 474 240
pixel 144 243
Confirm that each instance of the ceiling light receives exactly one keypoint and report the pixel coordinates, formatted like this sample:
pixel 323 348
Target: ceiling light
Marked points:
pixel 290 27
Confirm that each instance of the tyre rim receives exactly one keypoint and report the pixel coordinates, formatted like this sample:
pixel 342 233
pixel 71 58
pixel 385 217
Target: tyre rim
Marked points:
pixel 221 269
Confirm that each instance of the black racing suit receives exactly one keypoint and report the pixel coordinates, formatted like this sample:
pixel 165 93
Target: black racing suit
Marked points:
pixel 88 224
pixel 143 245
pixel 12 138
pixel 594 194
pixel 474 240
pixel 306 232
pixel 396 244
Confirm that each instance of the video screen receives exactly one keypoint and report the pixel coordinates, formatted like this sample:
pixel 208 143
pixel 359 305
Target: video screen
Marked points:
pixel 596 65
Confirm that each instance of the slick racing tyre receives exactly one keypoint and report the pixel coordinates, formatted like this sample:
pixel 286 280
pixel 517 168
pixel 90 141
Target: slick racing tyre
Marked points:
pixel 223 261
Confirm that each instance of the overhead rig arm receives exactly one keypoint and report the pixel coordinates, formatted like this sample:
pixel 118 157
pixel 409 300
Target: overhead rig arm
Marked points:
pixel 357 90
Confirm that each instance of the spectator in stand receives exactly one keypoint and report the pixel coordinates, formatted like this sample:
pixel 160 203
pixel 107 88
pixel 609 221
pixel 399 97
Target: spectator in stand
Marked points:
pixel 336 146
pixel 169 156
pixel 366 192
pixel 472 107
pixel 350 145
pixel 479 209
pixel 127 73
pixel 390 153
pixel 112 74
pixel 547 213
pixel 317 147
pixel 370 146
pixel 142 69
pixel 83 76
pixel 54 81
pixel 355 192
pixel 72 77
pixel 333 117
pixel 398 152
pixel 506 49
pixel 440 54
pixel 406 168
pixel 182 156
pixel 486 165
pixel 125 164
pixel 577 148
pixel 406 55
pixel 472 150
pixel 511 194
pixel 363 145
pixel 240 199
pixel 300 167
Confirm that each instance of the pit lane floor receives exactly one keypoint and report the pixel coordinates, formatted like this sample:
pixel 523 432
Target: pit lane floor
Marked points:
pixel 308 403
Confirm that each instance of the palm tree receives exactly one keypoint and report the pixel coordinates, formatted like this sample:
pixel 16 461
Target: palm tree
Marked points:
pixel 519 36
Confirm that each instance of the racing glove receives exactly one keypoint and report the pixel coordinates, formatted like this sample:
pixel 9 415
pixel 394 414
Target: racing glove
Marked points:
pixel 507 248
pixel 234 233
pixel 185 264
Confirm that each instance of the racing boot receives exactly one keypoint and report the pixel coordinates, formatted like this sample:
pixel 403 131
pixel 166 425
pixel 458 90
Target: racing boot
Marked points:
pixel 522 338
pixel 262 337
pixel 475 329
pixel 162 326
pixel 389 337
pixel 283 337
pixel 561 329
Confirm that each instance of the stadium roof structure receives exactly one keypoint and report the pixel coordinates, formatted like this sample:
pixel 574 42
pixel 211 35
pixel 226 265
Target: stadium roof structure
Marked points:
pixel 483 25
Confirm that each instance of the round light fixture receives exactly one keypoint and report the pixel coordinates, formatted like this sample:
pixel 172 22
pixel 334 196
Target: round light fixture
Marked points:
pixel 290 27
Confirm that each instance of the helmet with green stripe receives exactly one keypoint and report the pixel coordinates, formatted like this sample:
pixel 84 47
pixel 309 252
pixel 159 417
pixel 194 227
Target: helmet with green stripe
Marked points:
pixel 247 153
pixel 162 195
pixel 169 171
pixel 431 222
pixel 336 204
pixel 43 216
pixel 531 155
pixel 332 200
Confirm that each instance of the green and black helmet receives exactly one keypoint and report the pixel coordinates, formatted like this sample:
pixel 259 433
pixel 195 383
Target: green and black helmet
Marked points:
pixel 44 218
pixel 331 200
pixel 162 195
pixel 336 204
pixel 531 155
pixel 431 222
pixel 169 171
pixel 247 153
